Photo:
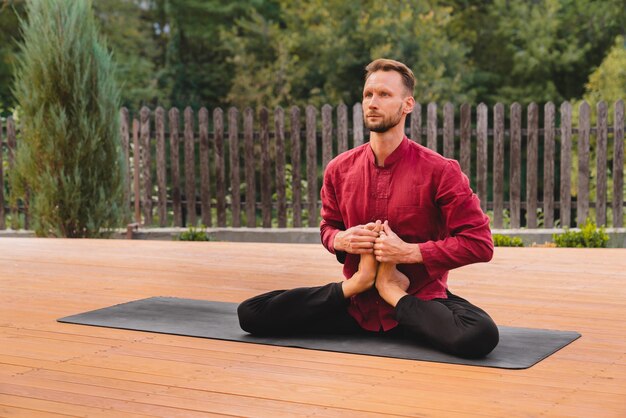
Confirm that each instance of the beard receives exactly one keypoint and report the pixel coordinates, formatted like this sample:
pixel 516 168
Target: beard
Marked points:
pixel 386 123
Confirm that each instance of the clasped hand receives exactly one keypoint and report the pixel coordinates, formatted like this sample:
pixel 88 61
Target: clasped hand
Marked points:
pixel 362 239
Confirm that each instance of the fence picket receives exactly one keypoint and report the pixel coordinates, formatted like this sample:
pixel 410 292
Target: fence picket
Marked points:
pixel 220 165
pixel 357 125
pixel 266 185
pixel 548 165
pixel 498 165
pixel 342 128
pixel 601 149
pixel 565 198
pixel 279 129
pixel 205 176
pixel 515 175
pixel 448 130
pixel 235 182
pixel 466 139
pixel 146 157
pixel 431 126
pixel 136 171
pixel 311 163
pixel 174 119
pixel 248 123
pixel 583 163
pixel 481 154
pixel 532 155
pixel 159 120
pixel 190 175
pixel 125 138
pixel 618 163
pixel 416 123
pixel 2 221
pixel 296 192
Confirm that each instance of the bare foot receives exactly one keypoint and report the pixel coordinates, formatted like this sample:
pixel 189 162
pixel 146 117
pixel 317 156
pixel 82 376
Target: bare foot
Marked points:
pixel 364 278
pixel 391 284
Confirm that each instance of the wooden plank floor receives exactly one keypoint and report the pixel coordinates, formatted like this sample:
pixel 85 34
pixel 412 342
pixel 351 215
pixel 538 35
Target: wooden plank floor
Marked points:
pixel 53 369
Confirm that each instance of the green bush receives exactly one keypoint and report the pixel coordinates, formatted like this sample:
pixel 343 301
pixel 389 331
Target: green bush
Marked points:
pixel 589 236
pixel 506 241
pixel 69 163
pixel 194 234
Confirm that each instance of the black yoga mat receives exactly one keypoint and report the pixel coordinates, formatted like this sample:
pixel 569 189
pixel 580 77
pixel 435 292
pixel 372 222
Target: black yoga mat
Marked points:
pixel 519 348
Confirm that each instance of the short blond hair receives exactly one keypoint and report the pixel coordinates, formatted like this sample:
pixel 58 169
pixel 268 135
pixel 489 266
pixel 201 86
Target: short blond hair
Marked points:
pixel 384 64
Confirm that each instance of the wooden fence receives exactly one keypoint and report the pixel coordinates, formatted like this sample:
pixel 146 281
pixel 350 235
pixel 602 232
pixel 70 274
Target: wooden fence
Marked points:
pixel 280 154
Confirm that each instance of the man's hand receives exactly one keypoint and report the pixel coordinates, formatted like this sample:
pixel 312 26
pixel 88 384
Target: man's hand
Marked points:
pixel 356 240
pixel 389 248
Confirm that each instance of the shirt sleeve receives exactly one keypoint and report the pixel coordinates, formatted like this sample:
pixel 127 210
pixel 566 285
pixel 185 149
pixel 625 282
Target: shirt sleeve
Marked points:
pixel 469 237
pixel 332 221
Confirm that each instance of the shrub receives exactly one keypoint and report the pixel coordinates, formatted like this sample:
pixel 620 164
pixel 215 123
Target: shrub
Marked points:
pixel 69 161
pixel 589 236
pixel 506 241
pixel 194 234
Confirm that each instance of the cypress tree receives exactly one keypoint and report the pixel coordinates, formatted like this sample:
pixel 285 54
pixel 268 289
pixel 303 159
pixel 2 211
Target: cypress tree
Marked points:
pixel 69 159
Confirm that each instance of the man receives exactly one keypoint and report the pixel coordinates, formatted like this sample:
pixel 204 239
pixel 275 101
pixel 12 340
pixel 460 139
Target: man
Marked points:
pixel 399 216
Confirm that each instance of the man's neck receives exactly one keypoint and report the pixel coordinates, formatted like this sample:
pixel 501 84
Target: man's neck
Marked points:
pixel 384 143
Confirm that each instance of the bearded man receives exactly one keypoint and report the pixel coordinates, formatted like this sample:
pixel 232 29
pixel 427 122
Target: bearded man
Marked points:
pixel 399 217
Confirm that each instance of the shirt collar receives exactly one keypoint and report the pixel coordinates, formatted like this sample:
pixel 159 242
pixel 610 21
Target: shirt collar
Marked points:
pixel 396 155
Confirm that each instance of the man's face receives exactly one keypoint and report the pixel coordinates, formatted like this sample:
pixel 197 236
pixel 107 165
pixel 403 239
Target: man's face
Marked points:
pixel 385 101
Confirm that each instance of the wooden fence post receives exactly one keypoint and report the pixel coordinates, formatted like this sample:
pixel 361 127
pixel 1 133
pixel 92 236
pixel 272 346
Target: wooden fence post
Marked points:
pixel 311 163
pixel 498 165
pixel 2 221
pixel 327 135
pixel 516 164
pixel 431 126
pixel 174 119
pixel 583 164
pixel 161 169
pixel 532 155
pixel 279 129
pixel 601 150
pixel 146 160
pixel 548 165
pixel 190 172
pixel 448 130
pixel 266 180
pixel 137 171
pixel 342 128
pixel 248 123
pixel 220 165
pixel 481 154
pixel 416 123
pixel 205 174
pixel 235 183
pixel 466 139
pixel 565 198
pixel 618 163
pixel 125 138
pixel 357 125
pixel 296 192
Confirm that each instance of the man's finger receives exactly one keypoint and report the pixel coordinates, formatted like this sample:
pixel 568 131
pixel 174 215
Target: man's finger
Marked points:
pixel 387 229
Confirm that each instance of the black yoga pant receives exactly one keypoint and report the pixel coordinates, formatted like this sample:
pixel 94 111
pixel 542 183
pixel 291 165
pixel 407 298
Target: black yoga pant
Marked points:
pixel 452 325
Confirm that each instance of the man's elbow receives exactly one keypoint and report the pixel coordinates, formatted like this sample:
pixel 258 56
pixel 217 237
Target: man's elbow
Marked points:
pixel 484 251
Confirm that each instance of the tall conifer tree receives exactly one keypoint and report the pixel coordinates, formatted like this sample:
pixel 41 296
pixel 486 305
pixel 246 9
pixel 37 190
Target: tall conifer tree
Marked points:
pixel 68 162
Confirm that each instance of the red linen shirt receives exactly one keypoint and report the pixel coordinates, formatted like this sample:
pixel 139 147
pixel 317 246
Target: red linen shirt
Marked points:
pixel 427 200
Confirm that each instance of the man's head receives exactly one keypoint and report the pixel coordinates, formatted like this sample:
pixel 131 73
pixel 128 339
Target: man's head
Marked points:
pixel 383 64
pixel 387 94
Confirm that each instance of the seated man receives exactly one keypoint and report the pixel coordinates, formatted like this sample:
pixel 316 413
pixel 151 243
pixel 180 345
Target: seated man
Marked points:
pixel 398 216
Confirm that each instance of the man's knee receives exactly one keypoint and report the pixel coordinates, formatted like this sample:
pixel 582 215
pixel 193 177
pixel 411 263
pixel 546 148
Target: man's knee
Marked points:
pixel 477 341
pixel 246 317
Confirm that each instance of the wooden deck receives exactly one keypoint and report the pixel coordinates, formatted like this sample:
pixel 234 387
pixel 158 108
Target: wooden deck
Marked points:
pixel 53 369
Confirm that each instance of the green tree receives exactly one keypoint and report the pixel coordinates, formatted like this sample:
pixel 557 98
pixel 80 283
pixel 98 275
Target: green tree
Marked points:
pixel 69 161
pixel 10 13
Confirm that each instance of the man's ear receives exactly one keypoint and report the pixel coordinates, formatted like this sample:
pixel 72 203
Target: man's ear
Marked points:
pixel 409 104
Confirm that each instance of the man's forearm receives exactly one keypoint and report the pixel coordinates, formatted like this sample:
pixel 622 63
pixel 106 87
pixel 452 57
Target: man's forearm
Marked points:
pixel 413 254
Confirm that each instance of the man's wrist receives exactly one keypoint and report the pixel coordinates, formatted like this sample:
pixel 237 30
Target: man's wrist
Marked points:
pixel 337 242
pixel 414 254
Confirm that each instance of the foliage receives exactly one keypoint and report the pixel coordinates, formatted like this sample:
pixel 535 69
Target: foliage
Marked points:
pixel 194 234
pixel 69 161
pixel 589 236
pixel 506 241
